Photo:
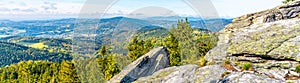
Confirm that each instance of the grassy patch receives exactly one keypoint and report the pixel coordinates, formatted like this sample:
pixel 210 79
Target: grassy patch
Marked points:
pixel 297 69
pixel 227 62
pixel 202 61
pixel 247 66
pixel 40 45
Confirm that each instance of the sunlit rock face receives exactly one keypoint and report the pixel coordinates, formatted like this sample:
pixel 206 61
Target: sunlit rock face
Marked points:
pixel 185 74
pixel 269 40
pixel 147 64
pixel 272 33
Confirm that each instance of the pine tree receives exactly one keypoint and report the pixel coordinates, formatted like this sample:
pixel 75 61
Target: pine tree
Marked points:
pixel 107 63
pixel 173 48
pixel 68 72
pixel 183 32
pixel 111 67
pixel 101 60
pixel 136 49
pixel 148 46
pixel 102 51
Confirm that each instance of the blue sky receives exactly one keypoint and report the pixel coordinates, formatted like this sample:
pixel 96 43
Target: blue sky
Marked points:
pixel 55 9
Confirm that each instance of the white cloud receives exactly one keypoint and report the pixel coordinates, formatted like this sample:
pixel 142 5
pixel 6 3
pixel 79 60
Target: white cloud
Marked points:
pixel 32 9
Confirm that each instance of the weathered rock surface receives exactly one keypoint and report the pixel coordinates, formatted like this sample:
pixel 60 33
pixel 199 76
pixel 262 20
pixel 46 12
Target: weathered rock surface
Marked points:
pixel 207 74
pixel 185 74
pixel 147 64
pixel 269 39
pixel 244 77
pixel 263 33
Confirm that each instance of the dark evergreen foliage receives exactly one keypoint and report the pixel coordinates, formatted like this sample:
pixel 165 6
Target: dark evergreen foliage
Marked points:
pixel 11 53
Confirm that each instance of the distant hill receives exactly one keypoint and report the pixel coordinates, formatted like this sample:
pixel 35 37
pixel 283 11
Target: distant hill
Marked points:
pixel 152 31
pixel 212 24
pixel 63 28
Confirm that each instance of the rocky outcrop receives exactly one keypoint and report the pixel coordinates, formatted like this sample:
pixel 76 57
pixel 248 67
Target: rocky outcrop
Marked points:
pixel 147 64
pixel 269 40
pixel 207 74
pixel 186 74
pixel 259 34
pixel 244 77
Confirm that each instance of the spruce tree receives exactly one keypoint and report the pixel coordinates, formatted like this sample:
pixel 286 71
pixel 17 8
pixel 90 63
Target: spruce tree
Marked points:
pixel 102 51
pixel 111 68
pixel 68 72
pixel 137 48
pixel 183 32
pixel 173 48
pixel 107 63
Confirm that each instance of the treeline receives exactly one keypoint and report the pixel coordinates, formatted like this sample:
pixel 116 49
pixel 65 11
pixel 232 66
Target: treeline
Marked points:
pixel 11 53
pixel 69 71
pixel 185 44
pixel 39 72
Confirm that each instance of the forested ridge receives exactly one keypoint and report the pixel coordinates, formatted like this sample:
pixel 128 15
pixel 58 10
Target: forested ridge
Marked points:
pixel 13 53
pixel 50 44
pixel 39 72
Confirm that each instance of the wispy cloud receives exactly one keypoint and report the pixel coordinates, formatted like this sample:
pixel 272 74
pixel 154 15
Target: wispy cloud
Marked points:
pixel 33 9
pixel 49 6
pixel 24 10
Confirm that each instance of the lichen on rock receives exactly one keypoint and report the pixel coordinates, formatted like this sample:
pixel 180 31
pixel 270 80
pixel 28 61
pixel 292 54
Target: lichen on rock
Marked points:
pixel 268 39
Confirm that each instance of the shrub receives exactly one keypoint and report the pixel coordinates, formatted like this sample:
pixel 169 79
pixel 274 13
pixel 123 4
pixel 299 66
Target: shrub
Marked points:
pixel 225 73
pixel 202 61
pixel 246 66
pixel 298 68
pixel 227 62
pixel 287 1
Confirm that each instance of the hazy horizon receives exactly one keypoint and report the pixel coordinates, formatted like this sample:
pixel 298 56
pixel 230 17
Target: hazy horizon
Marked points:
pixel 46 10
pixel 190 18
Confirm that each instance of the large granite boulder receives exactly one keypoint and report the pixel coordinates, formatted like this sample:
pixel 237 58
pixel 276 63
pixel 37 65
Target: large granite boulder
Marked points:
pixel 207 74
pixel 263 33
pixel 185 74
pixel 147 64
pixel 245 77
pixel 269 40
